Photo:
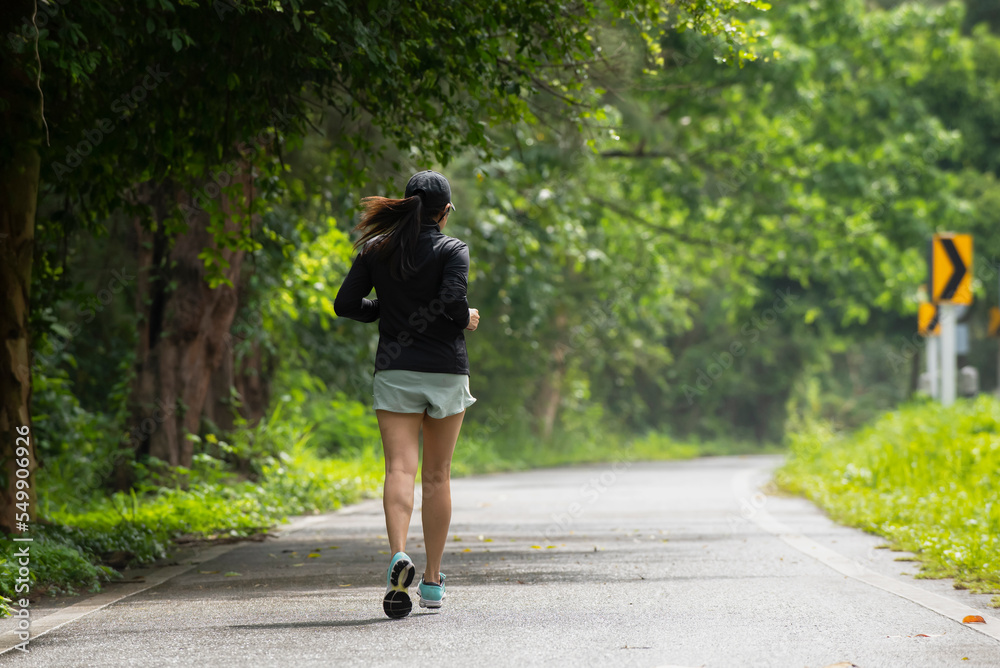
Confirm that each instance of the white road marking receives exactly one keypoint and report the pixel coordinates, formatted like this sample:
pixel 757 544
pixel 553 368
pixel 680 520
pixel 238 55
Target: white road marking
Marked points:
pixel 52 621
pixel 9 639
pixel 947 607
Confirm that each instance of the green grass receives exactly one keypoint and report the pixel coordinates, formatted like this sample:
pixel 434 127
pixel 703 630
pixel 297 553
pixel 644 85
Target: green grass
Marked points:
pixel 69 546
pixel 925 477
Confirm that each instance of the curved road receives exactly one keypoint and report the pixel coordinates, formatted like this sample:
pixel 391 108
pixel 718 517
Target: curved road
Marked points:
pixel 638 564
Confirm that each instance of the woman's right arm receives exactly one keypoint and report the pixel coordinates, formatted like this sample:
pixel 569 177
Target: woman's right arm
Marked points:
pixel 351 299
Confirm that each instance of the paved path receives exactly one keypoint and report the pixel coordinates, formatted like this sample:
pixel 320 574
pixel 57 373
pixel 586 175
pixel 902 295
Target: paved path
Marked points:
pixel 665 564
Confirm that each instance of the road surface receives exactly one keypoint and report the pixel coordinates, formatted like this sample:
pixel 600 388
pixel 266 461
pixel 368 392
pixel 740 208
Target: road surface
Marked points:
pixel 632 564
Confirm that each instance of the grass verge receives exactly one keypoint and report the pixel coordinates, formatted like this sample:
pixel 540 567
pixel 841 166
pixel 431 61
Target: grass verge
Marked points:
pixel 71 549
pixel 924 477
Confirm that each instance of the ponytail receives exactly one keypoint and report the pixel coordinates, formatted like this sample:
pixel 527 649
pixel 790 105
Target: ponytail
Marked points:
pixel 393 227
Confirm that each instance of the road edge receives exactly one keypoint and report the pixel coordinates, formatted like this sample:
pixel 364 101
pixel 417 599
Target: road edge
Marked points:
pixel 50 622
pixel 944 606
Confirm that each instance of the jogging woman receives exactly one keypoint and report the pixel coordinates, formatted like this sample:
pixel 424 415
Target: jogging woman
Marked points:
pixel 421 380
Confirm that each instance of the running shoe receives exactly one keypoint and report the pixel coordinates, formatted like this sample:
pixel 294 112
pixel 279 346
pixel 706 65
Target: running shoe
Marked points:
pixel 431 593
pixel 397 602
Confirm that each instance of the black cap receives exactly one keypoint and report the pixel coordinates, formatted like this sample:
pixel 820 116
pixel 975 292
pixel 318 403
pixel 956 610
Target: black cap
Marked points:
pixel 433 188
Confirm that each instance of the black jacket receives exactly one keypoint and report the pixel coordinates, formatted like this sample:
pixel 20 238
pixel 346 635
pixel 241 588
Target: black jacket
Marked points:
pixel 422 320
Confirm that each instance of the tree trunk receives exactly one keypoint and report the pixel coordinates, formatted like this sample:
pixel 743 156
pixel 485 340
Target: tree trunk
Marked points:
pixel 184 335
pixel 19 173
pixel 220 408
pixel 550 395
pixel 253 381
pixel 245 369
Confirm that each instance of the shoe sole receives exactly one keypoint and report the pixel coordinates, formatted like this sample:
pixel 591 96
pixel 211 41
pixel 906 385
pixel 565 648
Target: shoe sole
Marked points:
pixel 397 603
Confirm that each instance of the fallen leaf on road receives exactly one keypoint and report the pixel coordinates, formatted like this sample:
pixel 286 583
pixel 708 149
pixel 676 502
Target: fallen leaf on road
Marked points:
pixel 973 619
pixel 297 565
pixel 313 555
pixel 334 547
pixel 456 539
pixel 550 547
pixel 468 549
pixel 233 574
pixel 208 572
pixel 344 585
pixel 487 540
pixel 383 552
pixel 536 547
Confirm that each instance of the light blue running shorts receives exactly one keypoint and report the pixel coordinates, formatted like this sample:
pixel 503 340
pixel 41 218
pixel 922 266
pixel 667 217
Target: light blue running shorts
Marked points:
pixel 440 394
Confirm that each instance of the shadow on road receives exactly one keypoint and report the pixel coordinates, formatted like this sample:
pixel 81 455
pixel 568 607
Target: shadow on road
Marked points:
pixel 306 625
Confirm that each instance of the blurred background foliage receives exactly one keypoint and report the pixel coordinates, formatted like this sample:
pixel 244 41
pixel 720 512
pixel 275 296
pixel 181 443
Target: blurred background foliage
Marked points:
pixel 698 250
pixel 688 238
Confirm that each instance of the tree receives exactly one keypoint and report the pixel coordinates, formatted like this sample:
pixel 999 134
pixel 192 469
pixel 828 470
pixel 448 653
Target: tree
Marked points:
pixel 190 84
pixel 20 111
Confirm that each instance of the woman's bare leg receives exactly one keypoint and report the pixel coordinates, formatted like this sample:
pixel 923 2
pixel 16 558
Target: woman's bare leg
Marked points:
pixel 440 437
pixel 400 432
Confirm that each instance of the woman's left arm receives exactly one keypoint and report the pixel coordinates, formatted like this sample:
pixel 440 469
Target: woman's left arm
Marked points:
pixel 351 299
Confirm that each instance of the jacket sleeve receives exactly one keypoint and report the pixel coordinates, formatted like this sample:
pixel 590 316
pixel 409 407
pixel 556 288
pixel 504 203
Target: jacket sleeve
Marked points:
pixel 351 299
pixel 455 285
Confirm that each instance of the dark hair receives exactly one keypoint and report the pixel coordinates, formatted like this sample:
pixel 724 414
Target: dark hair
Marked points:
pixel 392 227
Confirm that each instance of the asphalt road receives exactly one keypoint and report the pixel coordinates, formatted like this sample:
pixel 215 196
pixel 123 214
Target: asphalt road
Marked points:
pixel 665 564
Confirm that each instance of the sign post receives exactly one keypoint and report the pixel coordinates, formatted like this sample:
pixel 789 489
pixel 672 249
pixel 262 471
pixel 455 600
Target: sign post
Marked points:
pixel 933 355
pixel 949 361
pixel 951 285
pixel 929 326
pixel 994 331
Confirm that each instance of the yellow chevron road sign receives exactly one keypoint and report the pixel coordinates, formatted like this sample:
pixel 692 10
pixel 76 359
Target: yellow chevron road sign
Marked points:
pixel 928 320
pixel 951 268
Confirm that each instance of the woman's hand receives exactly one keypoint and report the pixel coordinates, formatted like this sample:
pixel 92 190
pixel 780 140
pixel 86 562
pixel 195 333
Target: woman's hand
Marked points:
pixel 473 319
